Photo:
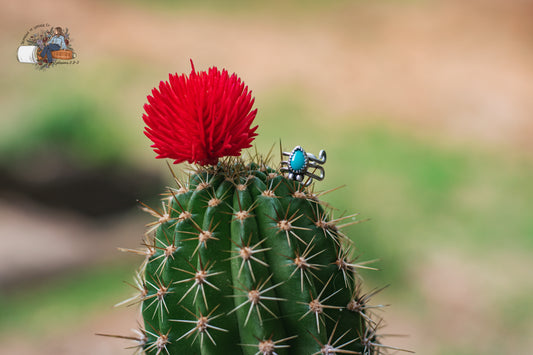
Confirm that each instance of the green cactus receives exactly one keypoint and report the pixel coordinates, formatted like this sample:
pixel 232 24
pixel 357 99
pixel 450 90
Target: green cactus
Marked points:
pixel 242 259
pixel 246 261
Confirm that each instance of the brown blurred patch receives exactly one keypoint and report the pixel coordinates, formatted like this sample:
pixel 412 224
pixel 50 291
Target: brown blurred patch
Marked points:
pixel 39 243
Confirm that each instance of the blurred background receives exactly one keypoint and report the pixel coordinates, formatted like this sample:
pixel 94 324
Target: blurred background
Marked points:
pixel 424 107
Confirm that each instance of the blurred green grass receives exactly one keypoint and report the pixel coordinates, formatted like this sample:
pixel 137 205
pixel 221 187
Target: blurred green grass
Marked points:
pixel 241 6
pixel 277 8
pixel 72 125
pixel 67 299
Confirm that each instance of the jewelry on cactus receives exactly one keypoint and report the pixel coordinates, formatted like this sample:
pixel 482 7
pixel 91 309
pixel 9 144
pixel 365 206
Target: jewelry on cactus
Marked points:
pixel 300 162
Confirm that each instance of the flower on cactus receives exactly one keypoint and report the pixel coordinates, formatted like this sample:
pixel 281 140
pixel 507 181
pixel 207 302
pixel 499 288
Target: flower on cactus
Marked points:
pixel 201 117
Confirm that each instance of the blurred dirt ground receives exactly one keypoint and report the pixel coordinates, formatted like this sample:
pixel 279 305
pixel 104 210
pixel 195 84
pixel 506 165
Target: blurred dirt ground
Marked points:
pixel 450 69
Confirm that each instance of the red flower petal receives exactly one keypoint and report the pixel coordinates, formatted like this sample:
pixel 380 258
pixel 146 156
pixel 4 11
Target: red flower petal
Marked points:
pixel 201 117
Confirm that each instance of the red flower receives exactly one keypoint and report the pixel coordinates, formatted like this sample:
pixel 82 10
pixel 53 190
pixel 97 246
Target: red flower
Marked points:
pixel 200 118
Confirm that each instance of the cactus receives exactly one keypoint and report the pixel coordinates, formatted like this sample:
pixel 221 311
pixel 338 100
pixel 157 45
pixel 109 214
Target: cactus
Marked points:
pixel 241 259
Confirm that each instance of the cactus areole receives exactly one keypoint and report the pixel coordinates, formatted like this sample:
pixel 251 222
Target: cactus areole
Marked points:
pixel 241 259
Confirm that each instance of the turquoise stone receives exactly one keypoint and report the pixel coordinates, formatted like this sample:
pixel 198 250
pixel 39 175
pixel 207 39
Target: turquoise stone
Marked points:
pixel 297 160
